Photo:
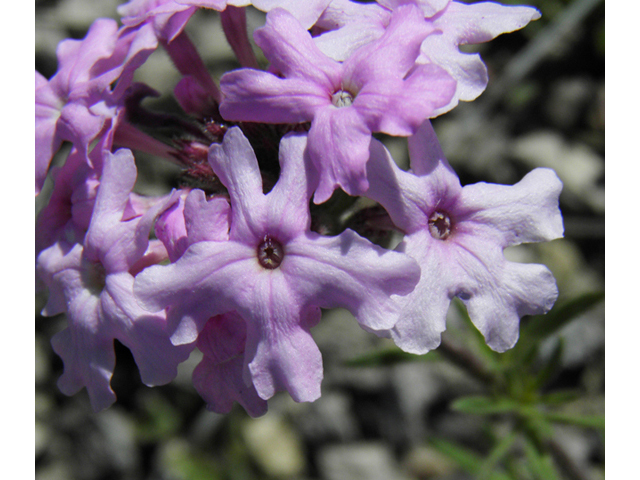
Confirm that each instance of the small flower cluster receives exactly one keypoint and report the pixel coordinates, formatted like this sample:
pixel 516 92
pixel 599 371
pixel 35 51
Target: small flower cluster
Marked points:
pixel 241 267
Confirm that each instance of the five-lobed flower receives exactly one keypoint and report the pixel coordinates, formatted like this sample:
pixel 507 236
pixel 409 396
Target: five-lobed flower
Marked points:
pixel 457 235
pixel 276 273
pixel 377 89
pixel 93 283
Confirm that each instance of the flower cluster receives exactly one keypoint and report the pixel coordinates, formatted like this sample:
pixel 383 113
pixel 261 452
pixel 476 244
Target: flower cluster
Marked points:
pixel 241 259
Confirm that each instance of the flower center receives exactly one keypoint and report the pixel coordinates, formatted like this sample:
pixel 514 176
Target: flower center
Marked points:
pixel 440 225
pixel 270 253
pixel 342 98
pixel 93 276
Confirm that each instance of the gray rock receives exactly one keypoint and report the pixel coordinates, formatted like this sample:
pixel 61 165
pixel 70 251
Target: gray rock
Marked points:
pixel 362 461
pixel 568 101
pixel 329 418
pixel 275 445
pixel 578 166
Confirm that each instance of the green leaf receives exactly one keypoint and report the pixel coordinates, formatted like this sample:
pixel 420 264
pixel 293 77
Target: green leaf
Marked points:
pixel 482 405
pixel 477 337
pixel 161 420
pixel 559 397
pixel 542 326
pixel 541 464
pixel 468 460
pixel 551 367
pixel 392 356
pixel 537 424
pixel 498 453
pixel 589 421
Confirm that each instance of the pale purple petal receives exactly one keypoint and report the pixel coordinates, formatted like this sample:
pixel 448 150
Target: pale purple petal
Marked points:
pixel 256 96
pixel 132 49
pixel 350 272
pixel 218 378
pixel 170 229
pixel 289 199
pixel 400 193
pixel 206 220
pixel 483 21
pixel 221 384
pixel 291 51
pixel 531 291
pixel 280 352
pixel 77 104
pixel 218 5
pixel 55 259
pixel 393 54
pixel 77 59
pixel 525 212
pixel 225 268
pixel 118 178
pixel 338 144
pixel 307 12
pixel 86 346
pixel 47 110
pixel 341 43
pixel 223 337
pixel 467 69
pixel 399 107
pixel 463 24
pixel 118 243
pixel 79 125
pixel 235 163
pixel 428 7
pixel 155 254
pixel 145 334
pixel 168 17
pixel 497 293
pixel 88 359
pixel 68 213
pixel 346 26
pixel 431 298
pixel 425 151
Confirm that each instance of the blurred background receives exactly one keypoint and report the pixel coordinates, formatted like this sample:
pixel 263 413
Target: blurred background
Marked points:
pixel 460 412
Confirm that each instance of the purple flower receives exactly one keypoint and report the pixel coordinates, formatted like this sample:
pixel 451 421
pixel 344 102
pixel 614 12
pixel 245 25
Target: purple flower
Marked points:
pixel 347 25
pixel 276 273
pixel 218 377
pixel 77 103
pixel 470 24
pixel 377 89
pixel 350 25
pixel 457 235
pixel 93 284
pixel 191 219
pixel 167 17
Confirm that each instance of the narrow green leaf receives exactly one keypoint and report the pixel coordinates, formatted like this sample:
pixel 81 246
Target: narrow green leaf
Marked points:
pixel 498 453
pixel 559 397
pixel 482 405
pixel 541 464
pixel 392 356
pixel 589 421
pixel 537 424
pixel 542 326
pixel 478 339
pixel 468 460
pixel 551 367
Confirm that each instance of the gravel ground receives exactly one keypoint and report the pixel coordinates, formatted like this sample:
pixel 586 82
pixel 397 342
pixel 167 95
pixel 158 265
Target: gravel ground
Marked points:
pixel 544 107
